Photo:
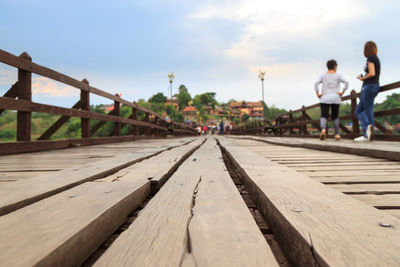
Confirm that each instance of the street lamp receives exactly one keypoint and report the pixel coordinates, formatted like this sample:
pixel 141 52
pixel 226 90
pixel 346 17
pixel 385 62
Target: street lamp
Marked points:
pixel 171 77
pixel 261 75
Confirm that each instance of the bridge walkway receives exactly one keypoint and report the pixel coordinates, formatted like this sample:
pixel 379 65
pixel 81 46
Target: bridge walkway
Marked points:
pixel 204 201
pixel 373 180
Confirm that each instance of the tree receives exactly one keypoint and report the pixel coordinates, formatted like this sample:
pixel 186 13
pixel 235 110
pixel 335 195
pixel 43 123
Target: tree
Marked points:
pixel 158 98
pixel 206 99
pixel 183 97
pixel 245 117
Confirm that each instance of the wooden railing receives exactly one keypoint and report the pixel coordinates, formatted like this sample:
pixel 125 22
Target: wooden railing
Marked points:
pixel 297 123
pixel 153 125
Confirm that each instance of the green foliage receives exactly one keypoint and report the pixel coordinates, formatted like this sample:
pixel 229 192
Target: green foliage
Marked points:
pixel 236 120
pixel 245 117
pixel 272 112
pixel 183 97
pixel 8 134
pixel 158 98
pixel 391 102
pixel 206 99
pixel 173 114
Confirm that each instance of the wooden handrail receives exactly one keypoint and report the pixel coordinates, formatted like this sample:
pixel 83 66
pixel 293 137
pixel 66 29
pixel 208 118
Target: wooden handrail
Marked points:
pixel 32 67
pixel 152 125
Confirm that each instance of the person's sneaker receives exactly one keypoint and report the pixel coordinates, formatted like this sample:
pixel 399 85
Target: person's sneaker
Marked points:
pixel 370 132
pixel 361 139
pixel 337 137
pixel 322 136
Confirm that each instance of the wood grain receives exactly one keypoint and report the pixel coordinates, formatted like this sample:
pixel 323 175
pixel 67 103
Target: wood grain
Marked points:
pixel 222 231
pixel 22 193
pixel 314 223
pixel 65 229
pixel 168 219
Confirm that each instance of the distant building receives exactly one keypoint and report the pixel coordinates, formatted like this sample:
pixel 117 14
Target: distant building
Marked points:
pixel 190 111
pixel 253 109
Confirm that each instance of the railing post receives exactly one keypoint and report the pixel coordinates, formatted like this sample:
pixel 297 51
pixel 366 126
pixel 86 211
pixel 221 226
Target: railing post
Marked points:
pixel 134 117
pixel 117 125
pixel 85 105
pixel 304 118
pixel 24 92
pixel 356 127
pixel 291 120
pixel 156 122
pixel 147 129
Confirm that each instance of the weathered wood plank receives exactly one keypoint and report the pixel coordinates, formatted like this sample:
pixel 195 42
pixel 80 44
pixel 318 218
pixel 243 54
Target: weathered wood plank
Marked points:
pixel 367 188
pixel 344 168
pixel 22 193
pixel 44 145
pixel 65 229
pixel 153 169
pixel 222 230
pixel 315 224
pixel 395 213
pixel 350 173
pixel 159 234
pixel 376 179
pixel 387 150
pixel 166 218
pixel 380 201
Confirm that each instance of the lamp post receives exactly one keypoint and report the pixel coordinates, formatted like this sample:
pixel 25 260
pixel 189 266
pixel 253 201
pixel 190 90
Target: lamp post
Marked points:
pixel 261 75
pixel 171 77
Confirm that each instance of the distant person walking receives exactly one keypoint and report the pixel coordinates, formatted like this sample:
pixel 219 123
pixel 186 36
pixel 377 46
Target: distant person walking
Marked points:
pixel 221 128
pixel 330 97
pixel 370 88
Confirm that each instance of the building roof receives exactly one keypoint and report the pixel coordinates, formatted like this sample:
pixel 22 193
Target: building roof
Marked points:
pixel 188 109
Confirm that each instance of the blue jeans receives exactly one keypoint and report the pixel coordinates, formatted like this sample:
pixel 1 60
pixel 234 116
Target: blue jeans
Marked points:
pixel 365 109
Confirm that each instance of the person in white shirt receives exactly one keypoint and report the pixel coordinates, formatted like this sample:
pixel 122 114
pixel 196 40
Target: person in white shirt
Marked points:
pixel 330 97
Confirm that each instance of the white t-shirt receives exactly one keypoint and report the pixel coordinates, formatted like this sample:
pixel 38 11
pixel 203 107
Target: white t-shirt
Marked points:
pixel 330 87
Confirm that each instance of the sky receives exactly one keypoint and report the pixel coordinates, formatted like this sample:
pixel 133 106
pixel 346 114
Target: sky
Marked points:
pixel 129 47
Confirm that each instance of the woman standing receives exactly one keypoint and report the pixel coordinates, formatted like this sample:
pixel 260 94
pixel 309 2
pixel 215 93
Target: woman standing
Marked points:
pixel 370 88
pixel 330 97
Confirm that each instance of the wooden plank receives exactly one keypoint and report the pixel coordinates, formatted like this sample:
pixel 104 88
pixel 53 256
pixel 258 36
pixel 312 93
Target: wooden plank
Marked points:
pixel 348 173
pixel 367 188
pixel 22 193
pixel 380 201
pixel 315 224
pixel 44 145
pixel 372 149
pixel 153 169
pixel 335 163
pixel 357 179
pixel 222 230
pixel 395 213
pixel 66 229
pixel 343 168
pixel 165 220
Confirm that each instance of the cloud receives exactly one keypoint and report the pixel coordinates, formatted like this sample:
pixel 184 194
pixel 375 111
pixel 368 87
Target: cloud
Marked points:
pixel 268 26
pixel 46 87
pixel 8 77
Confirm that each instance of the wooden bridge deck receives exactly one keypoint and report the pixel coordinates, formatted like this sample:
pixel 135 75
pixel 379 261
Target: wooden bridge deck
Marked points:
pixel 224 201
